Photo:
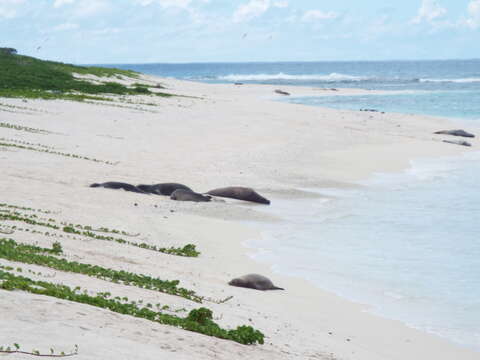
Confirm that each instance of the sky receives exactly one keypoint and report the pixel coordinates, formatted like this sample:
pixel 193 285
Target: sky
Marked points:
pixel 148 31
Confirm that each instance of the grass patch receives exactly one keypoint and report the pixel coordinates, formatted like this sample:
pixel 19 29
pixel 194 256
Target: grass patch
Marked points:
pixel 48 95
pixel 28 77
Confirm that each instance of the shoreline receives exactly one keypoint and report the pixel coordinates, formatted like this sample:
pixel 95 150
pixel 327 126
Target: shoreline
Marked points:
pixel 229 130
pixel 260 250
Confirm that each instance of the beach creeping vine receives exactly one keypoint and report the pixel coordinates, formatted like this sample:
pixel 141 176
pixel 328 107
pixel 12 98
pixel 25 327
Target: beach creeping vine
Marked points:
pixel 8 214
pixel 16 349
pixel 199 320
pixel 30 254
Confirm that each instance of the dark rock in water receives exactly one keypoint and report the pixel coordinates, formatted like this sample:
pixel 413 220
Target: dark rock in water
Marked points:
pixel 163 189
pixel 458 142
pixel 238 83
pixel 281 92
pixel 188 195
pixel 458 132
pixel 254 281
pixel 240 193
pixel 118 185
pixel 370 110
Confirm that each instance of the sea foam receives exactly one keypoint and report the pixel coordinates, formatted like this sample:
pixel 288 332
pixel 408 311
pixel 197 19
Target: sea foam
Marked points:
pixel 333 77
pixel 458 81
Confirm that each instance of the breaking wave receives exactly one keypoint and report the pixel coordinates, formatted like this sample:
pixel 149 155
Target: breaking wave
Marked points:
pixel 333 77
pixel 459 81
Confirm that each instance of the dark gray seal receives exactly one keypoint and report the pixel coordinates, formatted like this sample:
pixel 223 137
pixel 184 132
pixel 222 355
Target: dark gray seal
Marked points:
pixel 254 281
pixel 458 142
pixel 163 189
pixel 188 195
pixel 458 132
pixel 118 185
pixel 240 193
pixel 281 92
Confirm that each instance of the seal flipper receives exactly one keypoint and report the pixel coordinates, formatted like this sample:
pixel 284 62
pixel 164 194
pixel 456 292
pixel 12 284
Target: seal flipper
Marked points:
pixel 277 288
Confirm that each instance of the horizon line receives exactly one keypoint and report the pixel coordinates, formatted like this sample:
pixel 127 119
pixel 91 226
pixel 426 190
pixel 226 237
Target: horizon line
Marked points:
pixel 274 62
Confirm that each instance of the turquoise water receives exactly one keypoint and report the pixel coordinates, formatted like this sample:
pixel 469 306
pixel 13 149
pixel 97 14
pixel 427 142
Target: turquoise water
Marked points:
pixel 406 244
pixel 462 104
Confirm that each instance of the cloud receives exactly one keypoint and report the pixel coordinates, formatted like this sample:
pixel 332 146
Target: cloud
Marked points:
pixel 90 7
pixel 429 11
pixel 65 27
pixel 281 4
pixel 318 15
pixel 59 3
pixel 255 8
pixel 473 20
pixel 8 8
pixel 250 10
pixel 166 3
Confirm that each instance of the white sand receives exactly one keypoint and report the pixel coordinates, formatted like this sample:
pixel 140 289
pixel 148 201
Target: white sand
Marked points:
pixel 218 135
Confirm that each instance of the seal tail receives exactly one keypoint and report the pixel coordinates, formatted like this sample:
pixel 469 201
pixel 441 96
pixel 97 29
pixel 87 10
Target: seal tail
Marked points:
pixel 277 288
pixel 95 185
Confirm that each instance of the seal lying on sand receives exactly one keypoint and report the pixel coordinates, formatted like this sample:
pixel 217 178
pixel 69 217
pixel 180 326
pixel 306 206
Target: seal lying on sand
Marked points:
pixel 163 189
pixel 281 92
pixel 188 195
pixel 240 193
pixel 118 185
pixel 458 132
pixel 458 142
pixel 254 281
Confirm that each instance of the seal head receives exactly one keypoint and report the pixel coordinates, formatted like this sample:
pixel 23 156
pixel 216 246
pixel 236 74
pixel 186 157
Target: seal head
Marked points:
pixel 118 185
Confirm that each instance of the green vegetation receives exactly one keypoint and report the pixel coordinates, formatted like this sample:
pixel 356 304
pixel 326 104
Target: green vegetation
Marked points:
pixel 8 51
pixel 23 145
pixel 23 128
pixel 9 206
pixel 16 349
pixel 199 320
pixel 188 250
pixel 30 254
pixel 28 77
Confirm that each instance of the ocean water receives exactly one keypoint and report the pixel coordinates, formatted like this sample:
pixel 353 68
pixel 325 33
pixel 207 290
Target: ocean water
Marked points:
pixel 405 244
pixel 441 88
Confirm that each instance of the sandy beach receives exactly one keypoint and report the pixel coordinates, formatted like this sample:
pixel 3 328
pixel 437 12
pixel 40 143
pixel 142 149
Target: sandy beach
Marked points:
pixel 208 136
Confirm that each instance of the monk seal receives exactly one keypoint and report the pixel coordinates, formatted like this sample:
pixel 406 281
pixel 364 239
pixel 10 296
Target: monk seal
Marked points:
pixel 118 185
pixel 458 132
pixel 254 281
pixel 188 195
pixel 281 92
pixel 240 193
pixel 458 142
pixel 163 189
